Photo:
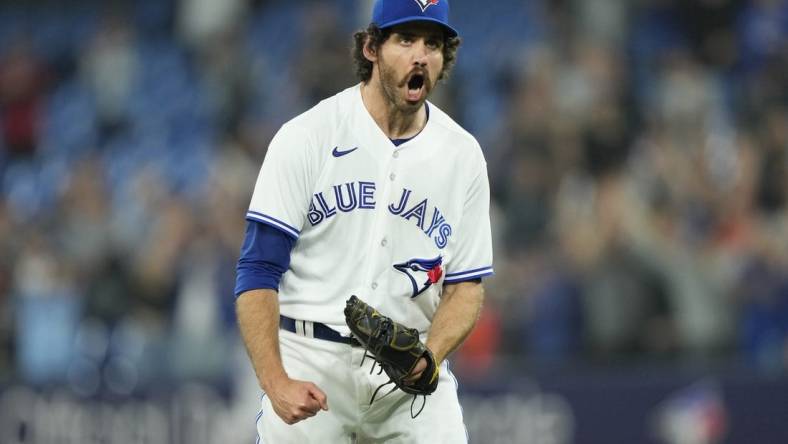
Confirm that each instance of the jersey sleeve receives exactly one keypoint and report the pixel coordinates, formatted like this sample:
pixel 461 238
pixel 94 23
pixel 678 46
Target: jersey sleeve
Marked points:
pixel 472 258
pixel 283 190
pixel 265 257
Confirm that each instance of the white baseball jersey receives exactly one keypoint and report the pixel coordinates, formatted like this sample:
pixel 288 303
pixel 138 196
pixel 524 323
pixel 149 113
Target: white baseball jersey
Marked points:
pixel 388 224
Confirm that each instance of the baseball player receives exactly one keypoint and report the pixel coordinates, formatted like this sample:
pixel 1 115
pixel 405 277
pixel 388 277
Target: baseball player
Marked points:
pixel 378 193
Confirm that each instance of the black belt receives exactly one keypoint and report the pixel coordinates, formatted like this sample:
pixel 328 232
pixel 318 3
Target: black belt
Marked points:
pixel 317 330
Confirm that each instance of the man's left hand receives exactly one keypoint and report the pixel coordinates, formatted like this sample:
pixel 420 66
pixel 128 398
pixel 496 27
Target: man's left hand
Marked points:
pixel 421 365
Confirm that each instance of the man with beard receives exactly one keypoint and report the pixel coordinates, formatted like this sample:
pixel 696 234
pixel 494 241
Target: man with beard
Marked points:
pixel 374 192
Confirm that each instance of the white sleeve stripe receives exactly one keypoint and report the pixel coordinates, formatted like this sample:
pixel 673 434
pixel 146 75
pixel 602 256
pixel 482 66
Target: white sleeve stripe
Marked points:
pixel 273 222
pixel 480 272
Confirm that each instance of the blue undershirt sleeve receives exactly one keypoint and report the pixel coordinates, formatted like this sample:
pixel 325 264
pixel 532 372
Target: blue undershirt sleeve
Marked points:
pixel 265 256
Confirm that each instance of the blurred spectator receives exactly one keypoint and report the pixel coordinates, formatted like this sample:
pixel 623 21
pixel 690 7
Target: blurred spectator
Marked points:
pixel 47 311
pixel 556 322
pixel 201 22
pixel 226 76
pixel 213 32
pixel 109 68
pixel 83 231
pixel 323 65
pixel 710 25
pixel 155 262
pixel 527 205
pixel 762 32
pixel 772 135
pixel 23 82
pixel 764 333
pixel 7 358
pixel 603 21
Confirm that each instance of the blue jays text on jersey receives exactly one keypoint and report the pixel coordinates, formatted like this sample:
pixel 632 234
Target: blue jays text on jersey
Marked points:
pixel 360 195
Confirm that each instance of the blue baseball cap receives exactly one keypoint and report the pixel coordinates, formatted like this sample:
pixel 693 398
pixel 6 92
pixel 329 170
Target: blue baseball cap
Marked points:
pixel 387 13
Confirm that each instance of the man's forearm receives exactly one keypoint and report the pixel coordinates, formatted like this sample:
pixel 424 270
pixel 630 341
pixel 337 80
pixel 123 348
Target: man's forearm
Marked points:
pixel 455 318
pixel 258 320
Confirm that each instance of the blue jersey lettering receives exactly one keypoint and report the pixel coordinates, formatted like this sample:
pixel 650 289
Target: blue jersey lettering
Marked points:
pixel 443 236
pixel 328 212
pixel 366 195
pixel 437 221
pixel 418 213
pixel 403 200
pixel 351 196
pixel 361 195
pixel 314 215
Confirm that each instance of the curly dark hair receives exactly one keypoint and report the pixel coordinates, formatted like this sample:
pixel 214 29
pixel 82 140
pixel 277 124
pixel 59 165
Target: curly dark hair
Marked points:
pixel 379 36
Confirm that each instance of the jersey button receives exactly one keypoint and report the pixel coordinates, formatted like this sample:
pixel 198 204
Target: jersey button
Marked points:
pixel 374 285
pixel 396 154
pixel 384 242
pixel 392 176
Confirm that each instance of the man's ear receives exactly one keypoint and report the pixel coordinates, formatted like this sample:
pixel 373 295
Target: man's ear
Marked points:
pixel 370 53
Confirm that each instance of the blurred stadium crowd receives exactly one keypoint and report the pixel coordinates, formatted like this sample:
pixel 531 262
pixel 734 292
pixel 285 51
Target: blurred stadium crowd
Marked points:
pixel 637 153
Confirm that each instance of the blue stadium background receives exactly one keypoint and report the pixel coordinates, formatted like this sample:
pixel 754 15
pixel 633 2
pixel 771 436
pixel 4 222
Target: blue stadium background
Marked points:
pixel 638 158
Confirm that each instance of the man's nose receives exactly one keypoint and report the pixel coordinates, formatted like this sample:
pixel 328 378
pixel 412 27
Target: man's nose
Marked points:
pixel 420 53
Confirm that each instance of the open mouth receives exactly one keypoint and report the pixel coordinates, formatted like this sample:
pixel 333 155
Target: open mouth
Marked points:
pixel 415 86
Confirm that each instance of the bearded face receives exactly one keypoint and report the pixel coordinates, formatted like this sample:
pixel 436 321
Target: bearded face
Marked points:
pixel 409 63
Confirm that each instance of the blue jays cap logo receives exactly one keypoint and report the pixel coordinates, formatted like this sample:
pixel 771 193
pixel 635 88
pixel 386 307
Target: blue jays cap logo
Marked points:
pixel 414 267
pixel 386 13
pixel 424 4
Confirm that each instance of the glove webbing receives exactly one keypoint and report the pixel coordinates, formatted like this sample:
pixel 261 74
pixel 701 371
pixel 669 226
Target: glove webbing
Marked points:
pixel 390 381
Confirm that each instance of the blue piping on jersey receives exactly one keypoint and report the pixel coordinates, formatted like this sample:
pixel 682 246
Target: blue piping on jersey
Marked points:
pixel 264 218
pixel 257 420
pixel 468 275
pixel 489 267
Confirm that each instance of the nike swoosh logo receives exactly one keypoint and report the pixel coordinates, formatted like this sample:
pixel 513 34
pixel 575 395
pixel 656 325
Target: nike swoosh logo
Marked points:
pixel 338 153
